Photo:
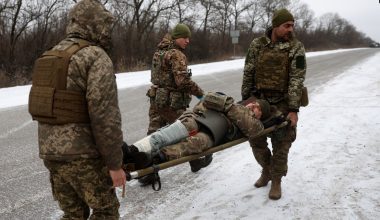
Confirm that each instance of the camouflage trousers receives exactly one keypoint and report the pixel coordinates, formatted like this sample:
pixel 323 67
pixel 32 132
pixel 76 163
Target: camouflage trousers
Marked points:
pixel 196 143
pixel 240 116
pixel 160 117
pixel 83 184
pixel 281 140
pixel 244 119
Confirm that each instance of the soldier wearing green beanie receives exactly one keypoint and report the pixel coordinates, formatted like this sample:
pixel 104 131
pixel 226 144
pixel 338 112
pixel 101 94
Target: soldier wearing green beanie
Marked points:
pixel 181 31
pixel 172 87
pixel 275 69
pixel 281 16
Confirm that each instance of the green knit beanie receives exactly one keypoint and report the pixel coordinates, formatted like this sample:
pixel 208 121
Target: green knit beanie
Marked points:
pixel 281 16
pixel 265 108
pixel 181 31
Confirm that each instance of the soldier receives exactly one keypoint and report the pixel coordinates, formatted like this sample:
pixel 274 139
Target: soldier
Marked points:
pixel 213 121
pixel 274 70
pixel 74 99
pixel 172 87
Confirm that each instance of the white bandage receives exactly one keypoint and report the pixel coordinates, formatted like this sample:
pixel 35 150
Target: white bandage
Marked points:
pixel 168 135
pixel 144 145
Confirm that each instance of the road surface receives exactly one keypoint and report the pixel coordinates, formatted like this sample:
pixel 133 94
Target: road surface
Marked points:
pixel 24 183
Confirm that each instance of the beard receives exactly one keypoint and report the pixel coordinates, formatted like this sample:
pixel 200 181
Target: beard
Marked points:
pixel 286 37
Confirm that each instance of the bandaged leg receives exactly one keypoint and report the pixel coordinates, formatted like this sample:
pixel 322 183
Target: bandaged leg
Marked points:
pixel 168 135
pixel 163 137
pixel 144 145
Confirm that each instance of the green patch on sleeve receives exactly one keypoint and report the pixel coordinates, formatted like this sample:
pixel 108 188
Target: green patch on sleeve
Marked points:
pixel 300 62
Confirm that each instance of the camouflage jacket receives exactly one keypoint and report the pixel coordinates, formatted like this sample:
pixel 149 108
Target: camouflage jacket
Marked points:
pixel 297 70
pixel 90 72
pixel 171 71
pixel 242 120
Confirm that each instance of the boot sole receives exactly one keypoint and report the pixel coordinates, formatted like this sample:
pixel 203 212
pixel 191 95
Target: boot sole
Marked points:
pixel 259 186
pixel 274 198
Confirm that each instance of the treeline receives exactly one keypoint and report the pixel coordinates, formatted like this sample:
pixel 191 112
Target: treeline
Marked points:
pixel 29 27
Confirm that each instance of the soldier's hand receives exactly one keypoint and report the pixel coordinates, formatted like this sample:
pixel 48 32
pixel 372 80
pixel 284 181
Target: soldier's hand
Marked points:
pixel 118 177
pixel 293 117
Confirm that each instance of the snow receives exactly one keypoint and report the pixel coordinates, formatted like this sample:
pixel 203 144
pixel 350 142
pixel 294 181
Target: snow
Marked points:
pixel 16 96
pixel 334 165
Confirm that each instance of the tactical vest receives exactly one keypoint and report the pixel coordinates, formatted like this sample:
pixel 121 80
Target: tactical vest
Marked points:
pixel 49 100
pixel 272 68
pixel 161 74
pixel 164 91
pixel 216 123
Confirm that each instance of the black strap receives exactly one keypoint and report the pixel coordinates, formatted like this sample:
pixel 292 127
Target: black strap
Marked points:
pixel 156 184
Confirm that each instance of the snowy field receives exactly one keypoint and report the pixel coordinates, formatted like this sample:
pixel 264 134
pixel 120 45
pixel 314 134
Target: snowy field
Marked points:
pixel 334 165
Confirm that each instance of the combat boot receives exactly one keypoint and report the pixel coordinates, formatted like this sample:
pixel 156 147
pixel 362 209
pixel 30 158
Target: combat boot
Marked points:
pixel 131 155
pixel 200 163
pixel 275 190
pixel 150 178
pixel 264 178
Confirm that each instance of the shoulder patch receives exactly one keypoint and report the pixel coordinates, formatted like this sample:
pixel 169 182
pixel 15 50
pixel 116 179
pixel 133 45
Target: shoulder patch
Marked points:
pixel 300 62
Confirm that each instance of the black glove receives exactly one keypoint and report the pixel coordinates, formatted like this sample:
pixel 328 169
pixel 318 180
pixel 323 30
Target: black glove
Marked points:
pixel 274 121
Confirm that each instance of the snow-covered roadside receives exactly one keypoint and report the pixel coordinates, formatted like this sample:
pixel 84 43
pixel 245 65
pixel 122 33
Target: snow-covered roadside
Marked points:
pixel 333 166
pixel 18 95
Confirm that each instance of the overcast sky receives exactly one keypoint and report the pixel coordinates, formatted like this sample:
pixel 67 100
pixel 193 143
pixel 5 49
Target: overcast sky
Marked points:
pixel 363 14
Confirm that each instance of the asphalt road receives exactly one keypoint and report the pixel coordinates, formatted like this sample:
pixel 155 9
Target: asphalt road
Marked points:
pixel 24 183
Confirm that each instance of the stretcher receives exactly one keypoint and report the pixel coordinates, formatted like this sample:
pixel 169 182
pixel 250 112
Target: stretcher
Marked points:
pixel 155 168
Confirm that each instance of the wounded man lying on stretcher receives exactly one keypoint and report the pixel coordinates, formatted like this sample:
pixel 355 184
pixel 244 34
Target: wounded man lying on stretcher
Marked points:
pixel 213 121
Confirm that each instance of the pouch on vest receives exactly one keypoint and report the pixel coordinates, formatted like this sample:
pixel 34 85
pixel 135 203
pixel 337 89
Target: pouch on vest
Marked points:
pixel 161 74
pixel 304 97
pixel 49 101
pixel 217 101
pixel 162 97
pixel 151 93
pixel 156 67
pixel 179 100
pixel 42 99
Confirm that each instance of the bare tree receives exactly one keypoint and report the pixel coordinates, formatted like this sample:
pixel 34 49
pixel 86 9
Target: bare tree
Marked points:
pixel 139 19
pixel 49 11
pixel 269 6
pixel 254 15
pixel 224 24
pixel 185 10
pixel 208 8
pixel 28 27
pixel 4 7
pixel 21 14
pixel 303 16
pixel 238 7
